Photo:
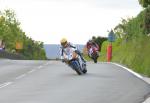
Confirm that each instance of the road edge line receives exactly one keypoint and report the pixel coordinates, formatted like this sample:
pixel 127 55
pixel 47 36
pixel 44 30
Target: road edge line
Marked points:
pixel 147 100
pixel 129 70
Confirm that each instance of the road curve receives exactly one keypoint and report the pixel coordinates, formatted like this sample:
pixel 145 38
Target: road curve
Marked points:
pixel 54 82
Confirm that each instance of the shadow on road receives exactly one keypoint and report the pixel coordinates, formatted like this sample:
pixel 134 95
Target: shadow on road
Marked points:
pixel 88 75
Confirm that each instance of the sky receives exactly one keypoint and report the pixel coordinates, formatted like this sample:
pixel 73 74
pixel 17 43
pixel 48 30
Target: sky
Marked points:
pixel 77 20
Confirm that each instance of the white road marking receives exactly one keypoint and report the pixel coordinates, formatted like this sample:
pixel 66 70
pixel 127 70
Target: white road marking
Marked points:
pixel 5 84
pixel 136 74
pixel 40 67
pixel 31 71
pixel 21 76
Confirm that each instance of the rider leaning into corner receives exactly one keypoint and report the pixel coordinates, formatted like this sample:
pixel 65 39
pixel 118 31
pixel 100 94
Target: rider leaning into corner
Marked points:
pixel 91 44
pixel 64 45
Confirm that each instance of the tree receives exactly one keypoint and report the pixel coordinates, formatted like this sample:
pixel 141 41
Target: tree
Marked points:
pixel 144 3
pixel 11 33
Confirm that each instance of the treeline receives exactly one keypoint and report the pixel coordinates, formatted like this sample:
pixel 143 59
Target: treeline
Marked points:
pixel 132 45
pixel 11 33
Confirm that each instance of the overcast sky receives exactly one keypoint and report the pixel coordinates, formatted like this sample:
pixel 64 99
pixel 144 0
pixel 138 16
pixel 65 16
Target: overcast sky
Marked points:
pixel 77 20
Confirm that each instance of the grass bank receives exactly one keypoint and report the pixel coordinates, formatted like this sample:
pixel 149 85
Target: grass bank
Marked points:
pixel 135 54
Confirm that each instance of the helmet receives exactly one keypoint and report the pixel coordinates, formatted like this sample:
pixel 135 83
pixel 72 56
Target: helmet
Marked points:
pixel 63 41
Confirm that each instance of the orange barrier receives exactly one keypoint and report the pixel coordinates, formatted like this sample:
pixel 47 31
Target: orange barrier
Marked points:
pixel 109 52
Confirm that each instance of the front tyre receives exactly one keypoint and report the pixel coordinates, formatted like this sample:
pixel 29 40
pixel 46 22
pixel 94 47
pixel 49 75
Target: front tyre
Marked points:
pixel 78 72
pixel 95 57
pixel 84 71
pixel 77 68
pixel 95 60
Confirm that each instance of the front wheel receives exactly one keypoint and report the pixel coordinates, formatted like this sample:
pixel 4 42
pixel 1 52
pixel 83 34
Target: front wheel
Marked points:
pixel 76 67
pixel 95 57
pixel 95 60
pixel 84 71
pixel 78 72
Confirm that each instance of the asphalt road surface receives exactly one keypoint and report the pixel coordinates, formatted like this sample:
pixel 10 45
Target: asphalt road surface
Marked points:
pixel 54 82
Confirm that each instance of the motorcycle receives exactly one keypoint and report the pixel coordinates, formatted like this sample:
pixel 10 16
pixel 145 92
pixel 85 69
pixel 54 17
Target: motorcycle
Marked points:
pixel 74 61
pixel 94 53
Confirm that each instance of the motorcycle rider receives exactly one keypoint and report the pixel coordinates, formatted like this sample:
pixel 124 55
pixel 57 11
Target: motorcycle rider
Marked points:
pixel 89 46
pixel 65 44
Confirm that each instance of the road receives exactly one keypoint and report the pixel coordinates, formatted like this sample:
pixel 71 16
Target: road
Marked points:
pixel 54 82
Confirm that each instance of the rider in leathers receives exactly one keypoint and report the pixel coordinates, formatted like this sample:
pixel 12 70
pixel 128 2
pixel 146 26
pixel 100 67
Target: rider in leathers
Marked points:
pixel 89 46
pixel 64 45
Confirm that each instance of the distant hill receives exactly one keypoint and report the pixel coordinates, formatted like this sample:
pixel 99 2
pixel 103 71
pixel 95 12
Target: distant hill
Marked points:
pixel 53 50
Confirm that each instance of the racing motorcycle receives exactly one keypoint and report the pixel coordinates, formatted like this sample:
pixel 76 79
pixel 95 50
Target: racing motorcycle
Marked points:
pixel 94 53
pixel 74 61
